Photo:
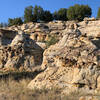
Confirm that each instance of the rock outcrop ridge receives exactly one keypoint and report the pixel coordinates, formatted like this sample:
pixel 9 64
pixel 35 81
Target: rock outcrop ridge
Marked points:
pixel 73 64
pixel 40 32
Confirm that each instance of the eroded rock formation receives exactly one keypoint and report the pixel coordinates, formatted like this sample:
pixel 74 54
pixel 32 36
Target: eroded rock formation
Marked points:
pixel 21 53
pixel 73 64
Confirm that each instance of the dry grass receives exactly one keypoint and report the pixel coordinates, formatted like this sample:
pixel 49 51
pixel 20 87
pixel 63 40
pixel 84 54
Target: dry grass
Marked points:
pixel 15 88
pixel 11 89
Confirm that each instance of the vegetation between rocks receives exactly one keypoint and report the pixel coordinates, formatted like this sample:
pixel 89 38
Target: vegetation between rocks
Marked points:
pixel 52 40
pixel 14 87
pixel 11 89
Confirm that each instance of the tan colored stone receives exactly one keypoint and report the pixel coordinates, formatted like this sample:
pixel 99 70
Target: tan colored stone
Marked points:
pixel 22 52
pixel 70 67
pixel 89 98
pixel 98 82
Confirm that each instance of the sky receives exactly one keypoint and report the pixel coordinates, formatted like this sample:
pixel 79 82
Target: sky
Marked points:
pixel 15 8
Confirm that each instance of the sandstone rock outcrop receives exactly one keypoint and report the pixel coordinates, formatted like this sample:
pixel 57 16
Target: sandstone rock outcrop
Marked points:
pixel 73 64
pixel 90 28
pixel 21 53
pixel 6 36
pixel 40 31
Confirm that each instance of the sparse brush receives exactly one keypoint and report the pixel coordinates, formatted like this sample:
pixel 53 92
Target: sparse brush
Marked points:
pixel 11 89
pixel 17 90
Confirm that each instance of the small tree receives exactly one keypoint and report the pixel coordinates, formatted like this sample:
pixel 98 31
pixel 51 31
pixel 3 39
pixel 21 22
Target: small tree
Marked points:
pixel 71 13
pixel 98 14
pixel 38 13
pixel 47 16
pixel 78 12
pixel 1 25
pixel 61 14
pixel 55 15
pixel 28 14
pixel 15 21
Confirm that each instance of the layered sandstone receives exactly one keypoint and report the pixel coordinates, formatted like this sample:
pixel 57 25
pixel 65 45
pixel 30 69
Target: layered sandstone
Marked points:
pixel 73 64
pixel 21 53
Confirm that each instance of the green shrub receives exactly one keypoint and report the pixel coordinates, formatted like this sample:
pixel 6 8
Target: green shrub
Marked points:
pixel 47 16
pixel 38 13
pixel 28 14
pixel 15 21
pixel 78 12
pixel 53 40
pixel 61 14
pixel 98 14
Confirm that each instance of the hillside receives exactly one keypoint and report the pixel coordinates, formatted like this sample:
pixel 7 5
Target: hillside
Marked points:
pixel 70 64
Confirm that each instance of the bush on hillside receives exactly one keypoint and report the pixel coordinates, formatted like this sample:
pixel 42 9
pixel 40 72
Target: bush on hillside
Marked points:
pixel 61 14
pixel 38 13
pixel 78 12
pixel 47 16
pixel 28 14
pixel 52 40
pixel 98 14
pixel 3 25
pixel 15 21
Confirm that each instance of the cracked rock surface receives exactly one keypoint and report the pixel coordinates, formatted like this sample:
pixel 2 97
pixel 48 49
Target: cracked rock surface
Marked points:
pixel 73 64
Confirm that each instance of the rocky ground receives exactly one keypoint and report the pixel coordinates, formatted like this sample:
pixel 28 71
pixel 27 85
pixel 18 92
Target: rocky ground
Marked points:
pixel 72 65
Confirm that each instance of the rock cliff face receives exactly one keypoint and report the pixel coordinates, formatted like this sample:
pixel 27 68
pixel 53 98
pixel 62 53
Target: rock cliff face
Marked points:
pixel 73 64
pixel 90 28
pixel 21 53
pixel 41 31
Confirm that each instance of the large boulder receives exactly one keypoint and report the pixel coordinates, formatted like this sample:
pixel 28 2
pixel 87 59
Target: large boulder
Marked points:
pixel 73 64
pixel 21 53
